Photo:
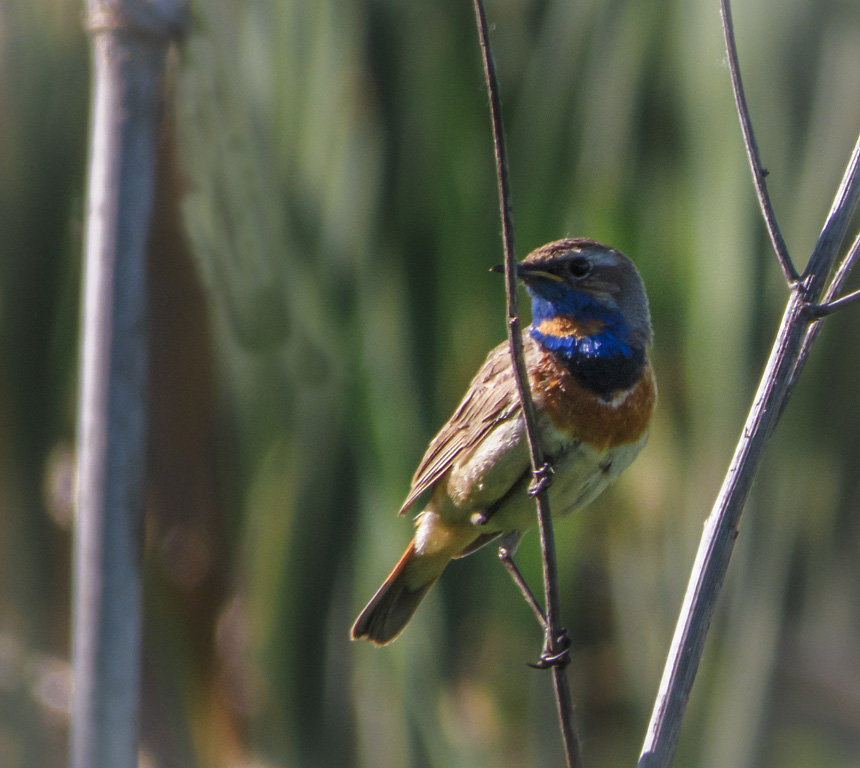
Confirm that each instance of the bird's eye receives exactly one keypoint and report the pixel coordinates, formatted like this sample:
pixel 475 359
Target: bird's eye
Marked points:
pixel 580 266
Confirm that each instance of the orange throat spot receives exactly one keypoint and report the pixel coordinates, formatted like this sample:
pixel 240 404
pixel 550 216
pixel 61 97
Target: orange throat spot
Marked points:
pixel 566 326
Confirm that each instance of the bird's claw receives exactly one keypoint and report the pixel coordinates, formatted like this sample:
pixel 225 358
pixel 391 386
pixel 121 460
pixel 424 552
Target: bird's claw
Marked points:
pixel 541 479
pixel 556 656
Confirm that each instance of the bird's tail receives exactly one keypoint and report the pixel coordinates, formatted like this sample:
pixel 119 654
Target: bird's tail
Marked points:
pixel 395 602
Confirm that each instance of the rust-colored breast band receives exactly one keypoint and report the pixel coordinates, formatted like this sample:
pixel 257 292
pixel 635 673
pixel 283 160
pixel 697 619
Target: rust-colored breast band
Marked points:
pixel 603 423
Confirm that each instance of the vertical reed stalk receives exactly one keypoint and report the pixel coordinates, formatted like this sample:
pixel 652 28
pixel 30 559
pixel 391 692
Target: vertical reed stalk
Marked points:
pixel 130 43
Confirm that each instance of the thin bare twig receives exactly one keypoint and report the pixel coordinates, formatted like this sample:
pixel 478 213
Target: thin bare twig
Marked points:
pixel 786 360
pixel 836 227
pixel 130 43
pixel 758 171
pixel 828 304
pixel 514 572
pixel 843 270
pixel 555 648
pixel 822 310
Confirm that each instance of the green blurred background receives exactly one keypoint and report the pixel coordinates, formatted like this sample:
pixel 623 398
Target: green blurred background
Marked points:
pixel 320 301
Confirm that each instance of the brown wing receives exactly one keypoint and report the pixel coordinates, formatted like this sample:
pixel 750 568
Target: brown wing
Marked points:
pixel 491 397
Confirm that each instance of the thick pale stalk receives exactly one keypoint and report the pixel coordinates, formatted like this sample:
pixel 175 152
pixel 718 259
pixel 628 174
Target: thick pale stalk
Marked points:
pixel 128 60
pixel 712 561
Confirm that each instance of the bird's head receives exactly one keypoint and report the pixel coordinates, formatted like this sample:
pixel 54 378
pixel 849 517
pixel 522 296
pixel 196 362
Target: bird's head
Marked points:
pixel 587 280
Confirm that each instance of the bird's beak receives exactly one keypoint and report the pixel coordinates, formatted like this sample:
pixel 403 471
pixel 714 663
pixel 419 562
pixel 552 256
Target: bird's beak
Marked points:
pixel 528 272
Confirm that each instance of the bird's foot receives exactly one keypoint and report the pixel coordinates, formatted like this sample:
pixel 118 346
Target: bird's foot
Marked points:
pixel 541 479
pixel 554 654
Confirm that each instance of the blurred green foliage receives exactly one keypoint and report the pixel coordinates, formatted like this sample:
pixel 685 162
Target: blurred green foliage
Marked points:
pixel 341 206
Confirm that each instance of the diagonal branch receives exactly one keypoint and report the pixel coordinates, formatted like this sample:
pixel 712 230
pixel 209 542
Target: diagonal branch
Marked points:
pixel 789 352
pixel 507 560
pixel 828 308
pixel 844 268
pixel 829 305
pixel 846 200
pixel 555 643
pixel 758 171
pixel 796 334
pixel 836 226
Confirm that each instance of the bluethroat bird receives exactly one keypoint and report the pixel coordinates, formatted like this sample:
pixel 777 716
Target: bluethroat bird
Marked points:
pixel 586 353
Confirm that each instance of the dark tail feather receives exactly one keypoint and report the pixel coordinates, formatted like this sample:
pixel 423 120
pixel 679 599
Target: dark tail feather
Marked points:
pixel 390 609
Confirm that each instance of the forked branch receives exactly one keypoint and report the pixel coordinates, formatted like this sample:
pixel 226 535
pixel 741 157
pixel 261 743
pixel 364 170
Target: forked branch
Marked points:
pixel 758 170
pixel 811 297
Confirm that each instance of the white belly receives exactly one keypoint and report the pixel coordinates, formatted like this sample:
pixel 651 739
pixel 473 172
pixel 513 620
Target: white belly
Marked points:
pixel 581 473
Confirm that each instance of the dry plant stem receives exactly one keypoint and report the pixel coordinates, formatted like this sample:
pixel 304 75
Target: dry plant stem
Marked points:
pixel 845 200
pixel 128 58
pixel 829 305
pixel 758 171
pixel 514 572
pixel 721 528
pixel 843 270
pixel 555 643
pixel 835 228
pixel 822 310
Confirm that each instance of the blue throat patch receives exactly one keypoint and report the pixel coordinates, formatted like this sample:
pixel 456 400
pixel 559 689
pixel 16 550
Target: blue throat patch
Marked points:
pixel 602 361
